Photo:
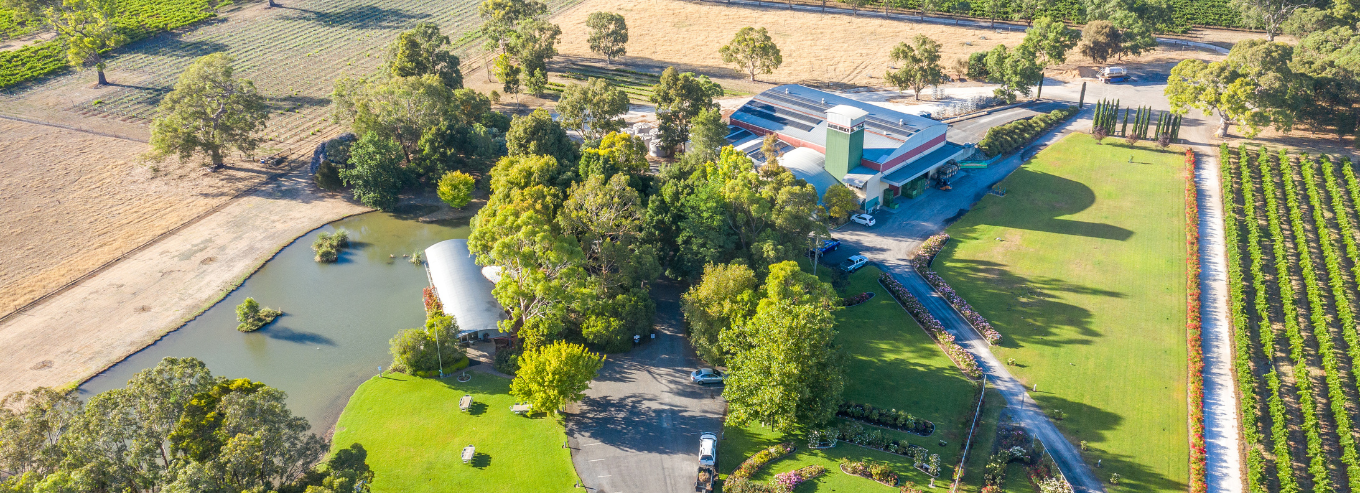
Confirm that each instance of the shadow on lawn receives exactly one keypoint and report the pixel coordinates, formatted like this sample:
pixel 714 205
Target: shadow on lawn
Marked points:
pixel 1085 422
pixel 1056 196
pixel 1030 304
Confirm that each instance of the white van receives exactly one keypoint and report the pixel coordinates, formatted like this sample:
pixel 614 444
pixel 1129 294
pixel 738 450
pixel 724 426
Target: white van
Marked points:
pixel 708 449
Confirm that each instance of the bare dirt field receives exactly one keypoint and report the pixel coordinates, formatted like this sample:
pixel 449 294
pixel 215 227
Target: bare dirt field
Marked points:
pixel 816 47
pixel 85 329
pixel 71 201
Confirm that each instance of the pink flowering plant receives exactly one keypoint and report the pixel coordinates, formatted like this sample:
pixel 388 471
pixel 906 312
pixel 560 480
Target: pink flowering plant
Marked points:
pixel 790 480
pixel 921 261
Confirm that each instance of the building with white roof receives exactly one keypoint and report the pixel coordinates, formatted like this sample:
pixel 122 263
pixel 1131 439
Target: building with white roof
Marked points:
pixel 877 152
pixel 463 289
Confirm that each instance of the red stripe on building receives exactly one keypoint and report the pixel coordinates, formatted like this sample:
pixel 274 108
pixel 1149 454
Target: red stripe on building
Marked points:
pixel 918 150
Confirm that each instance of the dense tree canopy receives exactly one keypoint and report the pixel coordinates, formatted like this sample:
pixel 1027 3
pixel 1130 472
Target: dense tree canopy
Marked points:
pixel 679 97
pixel 724 297
pixel 593 109
pixel 173 428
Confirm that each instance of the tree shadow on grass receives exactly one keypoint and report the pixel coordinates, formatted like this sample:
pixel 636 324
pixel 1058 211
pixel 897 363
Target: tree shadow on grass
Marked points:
pixel 1056 197
pixel 1029 304
pixel 367 17
pixel 1086 422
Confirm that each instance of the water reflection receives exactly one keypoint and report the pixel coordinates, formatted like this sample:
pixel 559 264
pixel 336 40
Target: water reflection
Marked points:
pixel 336 323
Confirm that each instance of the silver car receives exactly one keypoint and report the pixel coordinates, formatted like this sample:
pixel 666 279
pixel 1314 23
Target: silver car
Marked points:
pixel 706 376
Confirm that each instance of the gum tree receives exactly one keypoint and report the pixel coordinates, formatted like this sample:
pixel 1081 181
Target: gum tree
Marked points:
pixel 608 35
pixel 753 51
pixel 920 65
pixel 210 111
pixel 593 109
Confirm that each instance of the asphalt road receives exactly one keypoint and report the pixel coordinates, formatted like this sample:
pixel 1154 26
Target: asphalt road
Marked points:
pixel 638 428
pixel 974 129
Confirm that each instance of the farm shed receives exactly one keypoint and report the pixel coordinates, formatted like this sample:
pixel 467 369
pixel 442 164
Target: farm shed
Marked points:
pixel 463 290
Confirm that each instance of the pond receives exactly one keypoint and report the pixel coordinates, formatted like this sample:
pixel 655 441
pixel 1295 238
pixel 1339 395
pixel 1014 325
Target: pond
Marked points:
pixel 337 318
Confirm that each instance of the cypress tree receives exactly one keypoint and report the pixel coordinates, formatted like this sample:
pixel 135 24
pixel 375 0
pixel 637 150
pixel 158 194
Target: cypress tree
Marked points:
pixel 1081 100
pixel 1124 130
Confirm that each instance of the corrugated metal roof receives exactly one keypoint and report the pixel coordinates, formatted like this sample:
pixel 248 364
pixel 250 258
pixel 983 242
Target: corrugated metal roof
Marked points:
pixel 810 166
pixel 920 166
pixel 800 112
pixel 465 293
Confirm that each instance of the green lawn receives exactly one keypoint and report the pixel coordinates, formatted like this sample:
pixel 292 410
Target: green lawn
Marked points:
pixel 414 434
pixel 1081 267
pixel 892 364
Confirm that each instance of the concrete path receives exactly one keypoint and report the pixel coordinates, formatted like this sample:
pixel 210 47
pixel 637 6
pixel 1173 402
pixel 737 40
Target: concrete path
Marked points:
pixel 638 428
pixel 898 235
pixel 1222 436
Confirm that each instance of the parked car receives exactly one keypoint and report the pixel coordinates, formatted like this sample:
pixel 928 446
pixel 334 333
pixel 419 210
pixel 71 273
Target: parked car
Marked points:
pixel 828 246
pixel 864 219
pixel 708 449
pixel 854 263
pixel 1110 75
pixel 706 376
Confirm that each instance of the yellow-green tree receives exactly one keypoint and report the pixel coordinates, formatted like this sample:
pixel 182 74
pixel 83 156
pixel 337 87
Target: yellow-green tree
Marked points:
pixel 455 188
pixel 554 375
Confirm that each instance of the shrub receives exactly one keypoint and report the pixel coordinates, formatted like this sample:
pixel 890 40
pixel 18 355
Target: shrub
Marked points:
pixel 428 351
pixel 328 245
pixel 790 480
pixel 507 361
pixel 857 299
pixel 1006 138
pixel 252 317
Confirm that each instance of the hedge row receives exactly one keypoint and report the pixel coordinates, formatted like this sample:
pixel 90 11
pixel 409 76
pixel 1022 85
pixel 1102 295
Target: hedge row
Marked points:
pixel 1003 139
pixel 1326 346
pixel 962 358
pixel 1307 401
pixel 1279 429
pixel 1246 380
pixel 921 261
pixel 1195 354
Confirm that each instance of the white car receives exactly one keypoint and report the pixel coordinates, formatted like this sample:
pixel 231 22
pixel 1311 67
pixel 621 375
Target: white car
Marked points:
pixel 864 219
pixel 708 449
pixel 854 263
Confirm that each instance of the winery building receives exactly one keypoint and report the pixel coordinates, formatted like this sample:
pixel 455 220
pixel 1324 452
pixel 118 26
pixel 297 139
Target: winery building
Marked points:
pixel 878 153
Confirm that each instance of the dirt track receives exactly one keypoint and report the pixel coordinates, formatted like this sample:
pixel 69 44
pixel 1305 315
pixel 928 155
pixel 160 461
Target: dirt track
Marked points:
pixel 98 322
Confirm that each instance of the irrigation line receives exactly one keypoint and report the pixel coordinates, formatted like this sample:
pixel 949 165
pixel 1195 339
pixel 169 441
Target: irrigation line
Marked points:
pixel 67 127
pixel 959 475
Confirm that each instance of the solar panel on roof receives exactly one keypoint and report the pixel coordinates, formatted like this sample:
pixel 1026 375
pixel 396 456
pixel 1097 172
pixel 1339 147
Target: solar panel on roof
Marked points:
pixel 775 118
pixel 880 125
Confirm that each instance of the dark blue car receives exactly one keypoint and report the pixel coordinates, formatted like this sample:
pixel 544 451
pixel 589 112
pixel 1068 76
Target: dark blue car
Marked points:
pixel 828 246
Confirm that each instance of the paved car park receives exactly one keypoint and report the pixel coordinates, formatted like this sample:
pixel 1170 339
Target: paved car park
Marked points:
pixel 638 428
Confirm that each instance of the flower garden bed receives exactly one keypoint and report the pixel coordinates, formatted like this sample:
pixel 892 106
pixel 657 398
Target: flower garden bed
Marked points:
pixel 887 418
pixel 870 470
pixel 790 480
pixel 858 299
pixel 875 439
pixel 921 261
pixel 759 459
pixel 932 326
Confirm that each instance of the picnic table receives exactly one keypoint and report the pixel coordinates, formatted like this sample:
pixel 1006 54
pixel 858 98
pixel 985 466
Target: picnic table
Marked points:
pixel 521 408
pixel 468 452
pixel 465 403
